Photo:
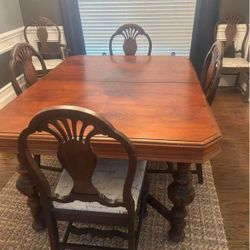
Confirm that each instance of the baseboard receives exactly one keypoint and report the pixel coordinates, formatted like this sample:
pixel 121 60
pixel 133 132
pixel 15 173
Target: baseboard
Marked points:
pixel 7 94
pixel 10 38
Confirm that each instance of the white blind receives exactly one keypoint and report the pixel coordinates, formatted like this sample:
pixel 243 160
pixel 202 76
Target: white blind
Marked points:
pixel 169 24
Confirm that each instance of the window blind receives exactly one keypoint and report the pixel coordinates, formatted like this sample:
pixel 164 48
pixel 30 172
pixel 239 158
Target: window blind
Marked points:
pixel 169 24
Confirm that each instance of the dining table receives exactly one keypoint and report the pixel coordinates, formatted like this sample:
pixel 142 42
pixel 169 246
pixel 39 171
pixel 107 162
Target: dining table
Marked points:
pixel 156 101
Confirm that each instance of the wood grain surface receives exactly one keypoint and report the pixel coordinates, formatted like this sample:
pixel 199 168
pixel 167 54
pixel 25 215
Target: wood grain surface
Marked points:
pixel 126 69
pixel 156 101
pixel 231 167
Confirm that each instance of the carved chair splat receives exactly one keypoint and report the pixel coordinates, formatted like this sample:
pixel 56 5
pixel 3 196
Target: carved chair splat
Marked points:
pixel 42 24
pixel 231 23
pixel 130 32
pixel 236 40
pixel 211 70
pixel 22 54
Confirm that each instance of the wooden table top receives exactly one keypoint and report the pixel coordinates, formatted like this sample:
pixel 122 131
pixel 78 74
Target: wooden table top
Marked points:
pixel 156 101
pixel 126 69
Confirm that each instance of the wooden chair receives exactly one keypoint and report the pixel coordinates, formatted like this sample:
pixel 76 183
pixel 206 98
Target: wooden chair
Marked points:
pixel 130 32
pixel 90 190
pixel 52 51
pixel 21 57
pixel 210 77
pixel 211 71
pixel 233 31
pixel 21 61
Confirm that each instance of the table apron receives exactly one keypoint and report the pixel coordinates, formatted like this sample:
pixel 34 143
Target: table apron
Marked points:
pixel 168 152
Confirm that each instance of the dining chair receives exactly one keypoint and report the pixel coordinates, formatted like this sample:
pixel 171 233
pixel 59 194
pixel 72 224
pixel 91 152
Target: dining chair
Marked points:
pixel 52 50
pixel 90 190
pixel 233 31
pixel 21 61
pixel 211 70
pixel 209 78
pixel 130 32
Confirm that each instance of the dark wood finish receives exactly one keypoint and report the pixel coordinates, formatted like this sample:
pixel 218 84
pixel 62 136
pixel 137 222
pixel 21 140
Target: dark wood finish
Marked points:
pixel 211 70
pixel 41 24
pixel 230 32
pixel 73 128
pixel 199 173
pixel 130 32
pixel 26 186
pixel 181 193
pixel 21 55
pixel 166 120
pixel 232 164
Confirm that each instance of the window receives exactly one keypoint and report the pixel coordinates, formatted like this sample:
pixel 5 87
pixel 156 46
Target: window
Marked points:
pixel 169 24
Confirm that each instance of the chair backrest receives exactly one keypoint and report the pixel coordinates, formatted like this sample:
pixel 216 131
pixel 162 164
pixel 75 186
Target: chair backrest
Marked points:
pixel 74 129
pixel 211 70
pixel 232 23
pixel 42 24
pixel 21 55
pixel 130 32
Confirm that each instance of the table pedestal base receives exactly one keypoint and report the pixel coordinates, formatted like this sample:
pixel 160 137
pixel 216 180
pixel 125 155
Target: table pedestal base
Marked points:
pixel 181 193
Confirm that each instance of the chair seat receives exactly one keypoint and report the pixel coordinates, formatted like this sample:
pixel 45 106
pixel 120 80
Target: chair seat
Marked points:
pixel 50 64
pixel 236 62
pixel 109 177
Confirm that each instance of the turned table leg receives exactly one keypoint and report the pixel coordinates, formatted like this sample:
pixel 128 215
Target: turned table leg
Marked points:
pixel 26 187
pixel 181 193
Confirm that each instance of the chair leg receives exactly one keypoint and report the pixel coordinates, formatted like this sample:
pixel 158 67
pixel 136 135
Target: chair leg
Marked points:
pixel 145 197
pixel 170 168
pixel 199 173
pixel 52 231
pixel 37 158
pixel 131 232
pixel 237 80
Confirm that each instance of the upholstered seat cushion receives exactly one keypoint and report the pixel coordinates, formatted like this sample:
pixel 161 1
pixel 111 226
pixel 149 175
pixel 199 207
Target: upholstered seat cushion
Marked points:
pixel 50 64
pixel 236 62
pixel 108 178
